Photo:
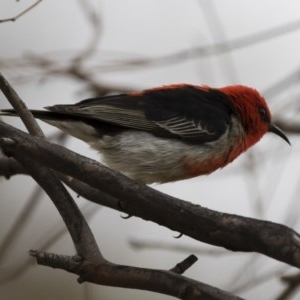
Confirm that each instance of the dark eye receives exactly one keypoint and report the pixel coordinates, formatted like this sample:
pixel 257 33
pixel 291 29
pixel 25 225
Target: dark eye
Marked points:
pixel 263 114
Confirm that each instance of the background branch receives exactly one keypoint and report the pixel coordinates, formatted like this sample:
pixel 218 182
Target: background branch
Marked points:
pixel 292 285
pixel 25 11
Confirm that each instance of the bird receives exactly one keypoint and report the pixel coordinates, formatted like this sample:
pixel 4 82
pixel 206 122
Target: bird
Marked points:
pixel 167 133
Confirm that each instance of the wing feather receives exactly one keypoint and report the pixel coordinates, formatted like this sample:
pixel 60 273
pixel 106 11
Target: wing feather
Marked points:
pixel 193 114
pixel 131 118
pixel 184 127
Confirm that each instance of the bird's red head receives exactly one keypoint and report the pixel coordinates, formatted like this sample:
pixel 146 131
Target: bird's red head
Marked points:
pixel 252 110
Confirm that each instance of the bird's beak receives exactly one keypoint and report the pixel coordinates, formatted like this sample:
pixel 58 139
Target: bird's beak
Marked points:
pixel 273 128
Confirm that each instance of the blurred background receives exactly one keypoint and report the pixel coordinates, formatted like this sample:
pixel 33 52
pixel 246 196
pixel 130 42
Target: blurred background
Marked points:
pixel 65 51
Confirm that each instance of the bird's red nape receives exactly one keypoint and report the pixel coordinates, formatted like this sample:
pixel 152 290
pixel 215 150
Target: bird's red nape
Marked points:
pixel 253 111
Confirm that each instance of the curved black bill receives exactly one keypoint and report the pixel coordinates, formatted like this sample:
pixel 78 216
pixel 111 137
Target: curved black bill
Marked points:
pixel 273 128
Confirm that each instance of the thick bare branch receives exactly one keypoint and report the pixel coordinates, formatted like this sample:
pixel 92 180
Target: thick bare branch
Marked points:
pixel 166 282
pixel 103 272
pixel 230 231
pixel 79 230
pixel 9 167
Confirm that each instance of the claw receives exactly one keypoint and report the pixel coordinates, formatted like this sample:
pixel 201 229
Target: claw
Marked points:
pixel 126 217
pixel 178 236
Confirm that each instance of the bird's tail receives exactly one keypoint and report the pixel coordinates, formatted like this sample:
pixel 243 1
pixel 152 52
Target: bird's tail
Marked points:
pixel 39 114
pixel 80 127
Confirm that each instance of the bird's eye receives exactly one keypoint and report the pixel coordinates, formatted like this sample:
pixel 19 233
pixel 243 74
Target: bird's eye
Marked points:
pixel 263 114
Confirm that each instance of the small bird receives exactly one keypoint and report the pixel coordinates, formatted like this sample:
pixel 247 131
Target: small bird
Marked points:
pixel 167 133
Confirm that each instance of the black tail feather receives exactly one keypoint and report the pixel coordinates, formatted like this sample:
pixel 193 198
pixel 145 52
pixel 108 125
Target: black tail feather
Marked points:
pixel 41 114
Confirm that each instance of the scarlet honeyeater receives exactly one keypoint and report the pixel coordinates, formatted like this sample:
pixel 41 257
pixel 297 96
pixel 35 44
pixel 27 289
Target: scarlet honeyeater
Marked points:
pixel 167 133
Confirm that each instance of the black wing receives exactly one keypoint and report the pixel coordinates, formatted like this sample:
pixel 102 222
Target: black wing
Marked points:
pixel 193 114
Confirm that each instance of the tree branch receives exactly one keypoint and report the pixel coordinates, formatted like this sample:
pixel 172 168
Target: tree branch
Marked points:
pixel 166 282
pixel 293 284
pixel 204 51
pixel 79 230
pixel 91 266
pixel 181 267
pixel 20 107
pixel 230 231
pixel 25 11
pixel 9 167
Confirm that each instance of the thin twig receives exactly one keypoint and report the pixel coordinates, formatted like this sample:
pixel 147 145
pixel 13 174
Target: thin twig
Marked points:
pixel 181 267
pixel 259 280
pixel 96 23
pixel 204 51
pixel 15 18
pixel 217 32
pixel 19 223
pixel 293 284
pixel 20 107
pixel 53 235
pixel 282 84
